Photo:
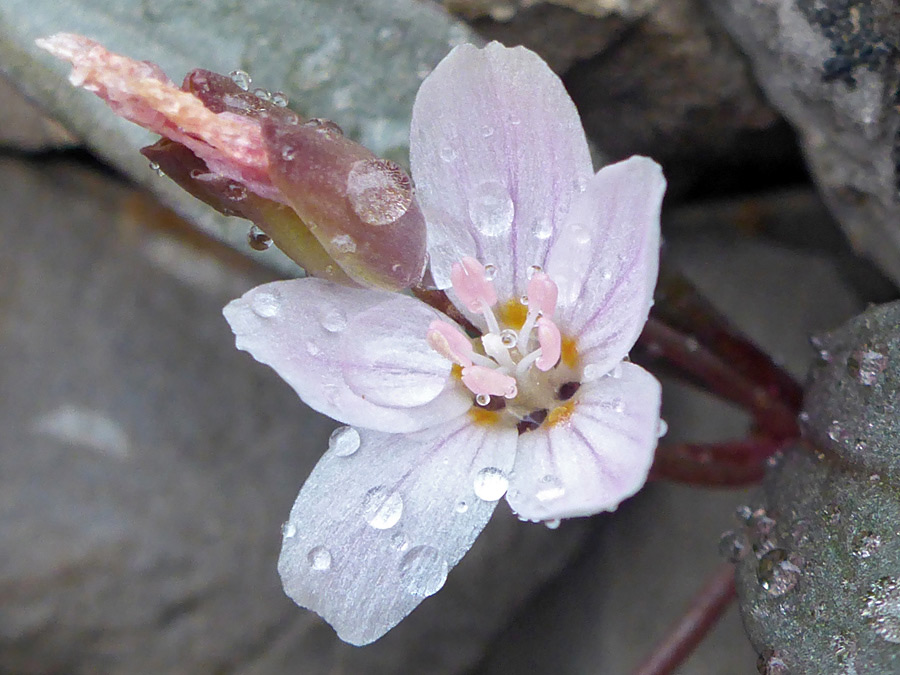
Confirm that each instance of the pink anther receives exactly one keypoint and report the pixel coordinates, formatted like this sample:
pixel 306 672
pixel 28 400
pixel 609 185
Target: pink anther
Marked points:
pixel 483 380
pixel 448 341
pixel 551 343
pixel 542 293
pixel 471 285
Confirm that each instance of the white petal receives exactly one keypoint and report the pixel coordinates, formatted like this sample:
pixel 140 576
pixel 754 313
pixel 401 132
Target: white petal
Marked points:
pixel 606 258
pixel 373 534
pixel 321 338
pixel 497 152
pixel 597 457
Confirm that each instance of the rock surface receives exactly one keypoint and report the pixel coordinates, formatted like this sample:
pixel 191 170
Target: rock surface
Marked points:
pixel 833 69
pixel 146 465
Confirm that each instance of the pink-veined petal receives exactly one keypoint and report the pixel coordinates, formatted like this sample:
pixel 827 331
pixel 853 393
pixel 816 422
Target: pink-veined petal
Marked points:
pixel 497 152
pixel 320 337
pixel 606 258
pixel 595 458
pixel 374 533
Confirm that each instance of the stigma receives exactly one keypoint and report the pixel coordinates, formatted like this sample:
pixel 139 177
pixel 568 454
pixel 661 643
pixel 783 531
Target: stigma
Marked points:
pixel 513 365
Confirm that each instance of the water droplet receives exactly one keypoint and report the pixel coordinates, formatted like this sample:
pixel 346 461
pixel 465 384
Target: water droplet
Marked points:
pixel 262 94
pixel 235 192
pixel 423 571
pixel 155 168
pixel 743 513
pixel 491 208
pixel 240 78
pixel 619 405
pixel 324 126
pixel 264 305
pixel 312 348
pixel 487 131
pixel 733 546
pixel 515 120
pixel 288 530
pixel 592 372
pixel 482 399
pixel 580 235
pixel 662 428
pixel 882 609
pixel 534 269
pixel 616 372
pixel 552 524
pixel 508 338
pixel 334 320
pixel 490 272
pixel 288 153
pixel 866 544
pixel 399 541
pixel 382 507
pixel 280 99
pixel 344 441
pixel 550 489
pixel 778 572
pixel 319 558
pixel 448 154
pixel 344 243
pixel 380 192
pixel 490 484
pixel 866 365
pixel 835 432
pixel 691 344
pixel 523 300
pixel 543 229
pixel 461 506
pixel 258 240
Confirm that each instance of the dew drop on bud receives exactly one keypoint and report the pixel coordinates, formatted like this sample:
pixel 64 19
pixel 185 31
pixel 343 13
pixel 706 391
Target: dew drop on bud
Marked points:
pixel 778 572
pixel 324 126
pixel 240 78
pixel 490 484
pixel 380 192
pixel 258 240
pixel 155 168
pixel 262 94
pixel 280 99
pixel 344 441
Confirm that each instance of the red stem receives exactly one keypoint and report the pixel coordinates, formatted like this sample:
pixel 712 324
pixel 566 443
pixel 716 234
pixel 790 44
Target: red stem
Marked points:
pixel 725 464
pixel 705 609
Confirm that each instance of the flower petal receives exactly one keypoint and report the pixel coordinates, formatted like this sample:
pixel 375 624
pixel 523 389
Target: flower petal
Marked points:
pixel 333 346
pixel 594 457
pixel 497 152
pixel 605 260
pixel 374 533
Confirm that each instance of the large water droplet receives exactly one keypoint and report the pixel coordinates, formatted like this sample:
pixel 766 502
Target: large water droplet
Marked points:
pixel 733 546
pixel 280 99
pixel 241 79
pixel 490 484
pixel 319 558
pixel 550 489
pixel 344 243
pixel 382 507
pixel 866 365
pixel 491 208
pixel 344 441
pixel 334 320
pixel 423 571
pixel 323 126
pixel 882 609
pixel 264 305
pixel 778 572
pixel 380 192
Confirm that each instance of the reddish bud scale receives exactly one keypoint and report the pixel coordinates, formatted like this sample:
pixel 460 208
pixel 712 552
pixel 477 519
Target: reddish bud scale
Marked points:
pixel 360 208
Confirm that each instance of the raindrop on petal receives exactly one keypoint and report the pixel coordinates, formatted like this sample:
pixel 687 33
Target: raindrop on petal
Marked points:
pixel 264 305
pixel 399 541
pixel 461 506
pixel 490 484
pixel 543 229
pixel 334 320
pixel 423 571
pixel 491 208
pixel 549 489
pixel 448 154
pixel 344 441
pixel 382 508
pixel 319 558
pixel 380 192
pixel 662 428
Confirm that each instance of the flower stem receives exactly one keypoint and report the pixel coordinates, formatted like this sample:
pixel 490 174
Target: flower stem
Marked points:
pixel 705 609
pixel 726 464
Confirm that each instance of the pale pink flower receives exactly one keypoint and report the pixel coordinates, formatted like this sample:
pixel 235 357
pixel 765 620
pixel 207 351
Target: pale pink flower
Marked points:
pixel 543 410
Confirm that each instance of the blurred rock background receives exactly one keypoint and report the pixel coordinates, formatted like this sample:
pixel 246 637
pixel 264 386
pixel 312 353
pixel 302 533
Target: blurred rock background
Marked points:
pixel 146 465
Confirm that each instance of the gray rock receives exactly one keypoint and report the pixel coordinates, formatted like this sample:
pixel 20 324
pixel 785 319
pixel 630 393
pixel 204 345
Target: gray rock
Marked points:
pixel 146 465
pixel 833 69
pixel 359 62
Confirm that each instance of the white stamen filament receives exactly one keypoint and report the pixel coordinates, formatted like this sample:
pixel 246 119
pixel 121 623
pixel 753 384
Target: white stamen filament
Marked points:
pixel 527 361
pixel 493 347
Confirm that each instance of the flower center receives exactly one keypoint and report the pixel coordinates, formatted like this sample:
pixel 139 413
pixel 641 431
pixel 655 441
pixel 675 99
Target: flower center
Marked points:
pixel 518 368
